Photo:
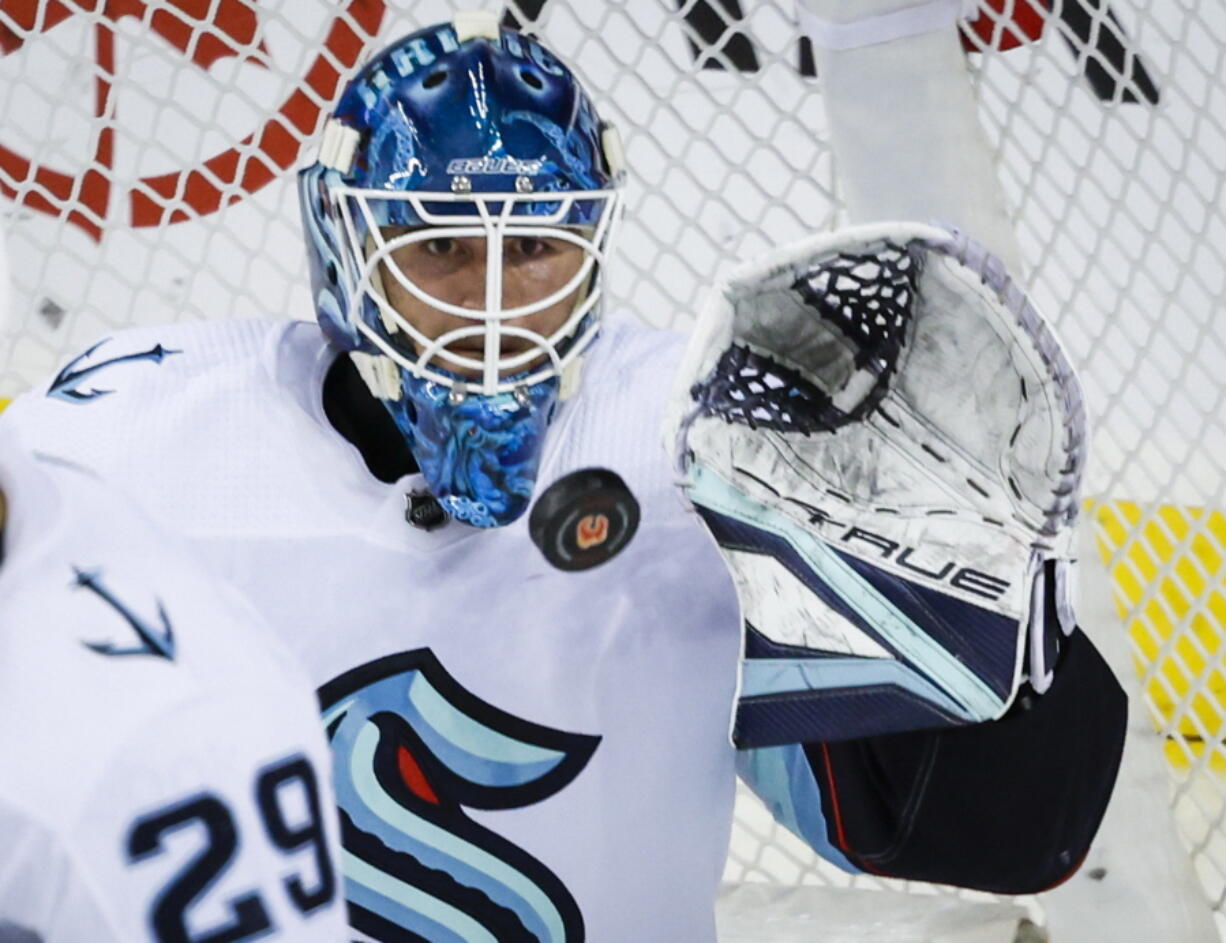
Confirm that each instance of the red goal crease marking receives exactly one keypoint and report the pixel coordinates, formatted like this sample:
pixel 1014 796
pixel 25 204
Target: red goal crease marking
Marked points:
pixel 194 28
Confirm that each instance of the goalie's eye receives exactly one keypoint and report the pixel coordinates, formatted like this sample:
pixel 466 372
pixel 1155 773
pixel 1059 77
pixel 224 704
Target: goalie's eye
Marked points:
pixel 529 247
pixel 440 247
pixel 522 249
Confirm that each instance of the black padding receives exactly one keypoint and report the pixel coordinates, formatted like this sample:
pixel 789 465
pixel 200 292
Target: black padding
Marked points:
pixel 1009 806
pixel 365 422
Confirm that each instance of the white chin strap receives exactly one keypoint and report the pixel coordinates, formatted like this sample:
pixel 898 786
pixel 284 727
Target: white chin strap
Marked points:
pixel 381 375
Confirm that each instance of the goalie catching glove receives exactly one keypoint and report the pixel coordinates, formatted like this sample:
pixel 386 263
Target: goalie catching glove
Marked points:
pixel 886 440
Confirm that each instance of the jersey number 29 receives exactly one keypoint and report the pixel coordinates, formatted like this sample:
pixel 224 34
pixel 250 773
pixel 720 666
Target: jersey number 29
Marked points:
pixel 248 916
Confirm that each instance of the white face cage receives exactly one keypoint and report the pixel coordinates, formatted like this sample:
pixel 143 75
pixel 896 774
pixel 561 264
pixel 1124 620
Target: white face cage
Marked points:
pixel 494 221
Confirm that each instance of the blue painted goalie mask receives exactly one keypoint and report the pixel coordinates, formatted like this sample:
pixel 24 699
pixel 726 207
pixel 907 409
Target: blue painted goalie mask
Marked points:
pixel 464 135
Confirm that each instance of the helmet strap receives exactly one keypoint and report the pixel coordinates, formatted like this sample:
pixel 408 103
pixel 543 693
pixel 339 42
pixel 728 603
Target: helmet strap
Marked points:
pixel 571 375
pixel 380 374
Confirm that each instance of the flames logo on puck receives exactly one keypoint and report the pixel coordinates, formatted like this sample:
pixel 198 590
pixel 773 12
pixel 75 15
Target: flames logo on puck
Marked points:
pixel 592 531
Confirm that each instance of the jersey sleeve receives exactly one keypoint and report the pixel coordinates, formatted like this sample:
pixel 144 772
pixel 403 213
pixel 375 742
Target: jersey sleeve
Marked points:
pixel 44 896
pixel 1009 806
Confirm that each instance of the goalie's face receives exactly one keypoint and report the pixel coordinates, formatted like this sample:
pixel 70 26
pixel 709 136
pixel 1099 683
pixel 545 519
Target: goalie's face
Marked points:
pixel 490 303
pixel 470 320
pixel 459 222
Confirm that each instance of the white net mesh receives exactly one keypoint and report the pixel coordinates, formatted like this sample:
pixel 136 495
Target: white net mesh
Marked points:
pixel 145 152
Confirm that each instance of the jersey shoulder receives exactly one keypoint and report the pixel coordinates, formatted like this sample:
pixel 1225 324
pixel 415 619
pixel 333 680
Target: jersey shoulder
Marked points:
pixel 111 633
pixel 134 376
pixel 179 415
pixel 629 350
pixel 615 420
pixel 126 362
pixel 128 379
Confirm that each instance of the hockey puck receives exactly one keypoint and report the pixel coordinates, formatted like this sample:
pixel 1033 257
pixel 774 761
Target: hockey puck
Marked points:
pixel 584 519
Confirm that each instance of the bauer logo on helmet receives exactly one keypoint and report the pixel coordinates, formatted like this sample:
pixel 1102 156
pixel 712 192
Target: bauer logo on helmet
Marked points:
pixel 495 165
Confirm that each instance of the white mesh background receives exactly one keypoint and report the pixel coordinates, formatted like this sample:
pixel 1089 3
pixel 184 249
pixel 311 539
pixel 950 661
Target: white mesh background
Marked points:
pixel 1119 208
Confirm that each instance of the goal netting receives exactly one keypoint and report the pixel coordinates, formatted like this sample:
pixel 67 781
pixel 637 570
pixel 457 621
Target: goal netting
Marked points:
pixel 147 148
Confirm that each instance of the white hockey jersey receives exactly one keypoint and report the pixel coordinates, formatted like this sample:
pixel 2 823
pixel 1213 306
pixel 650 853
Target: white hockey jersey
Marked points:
pixel 520 753
pixel 163 774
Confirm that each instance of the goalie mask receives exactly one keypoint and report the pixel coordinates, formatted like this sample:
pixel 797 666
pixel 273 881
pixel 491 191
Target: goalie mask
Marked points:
pixel 464 143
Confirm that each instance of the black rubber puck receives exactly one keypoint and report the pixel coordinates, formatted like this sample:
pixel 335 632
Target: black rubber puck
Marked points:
pixel 584 519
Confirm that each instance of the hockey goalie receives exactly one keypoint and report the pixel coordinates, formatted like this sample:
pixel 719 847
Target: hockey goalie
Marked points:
pixel 876 427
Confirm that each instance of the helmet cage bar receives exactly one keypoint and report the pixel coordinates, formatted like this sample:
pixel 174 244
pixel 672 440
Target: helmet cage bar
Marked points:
pixel 437 346
pixel 384 248
pixel 555 367
pixel 433 349
pixel 494 226
pixel 419 198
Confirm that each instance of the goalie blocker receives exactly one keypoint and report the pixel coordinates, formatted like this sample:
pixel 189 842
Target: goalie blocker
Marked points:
pixel 886 441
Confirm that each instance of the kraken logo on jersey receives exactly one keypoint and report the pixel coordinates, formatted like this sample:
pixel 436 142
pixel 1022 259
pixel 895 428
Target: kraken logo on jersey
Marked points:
pixel 67 382
pixel 411 750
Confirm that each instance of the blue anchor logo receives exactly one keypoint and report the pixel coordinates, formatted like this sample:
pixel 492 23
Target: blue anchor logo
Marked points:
pixel 66 385
pixel 159 644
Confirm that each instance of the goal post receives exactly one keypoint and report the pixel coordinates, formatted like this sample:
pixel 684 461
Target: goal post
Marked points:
pixel 146 162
